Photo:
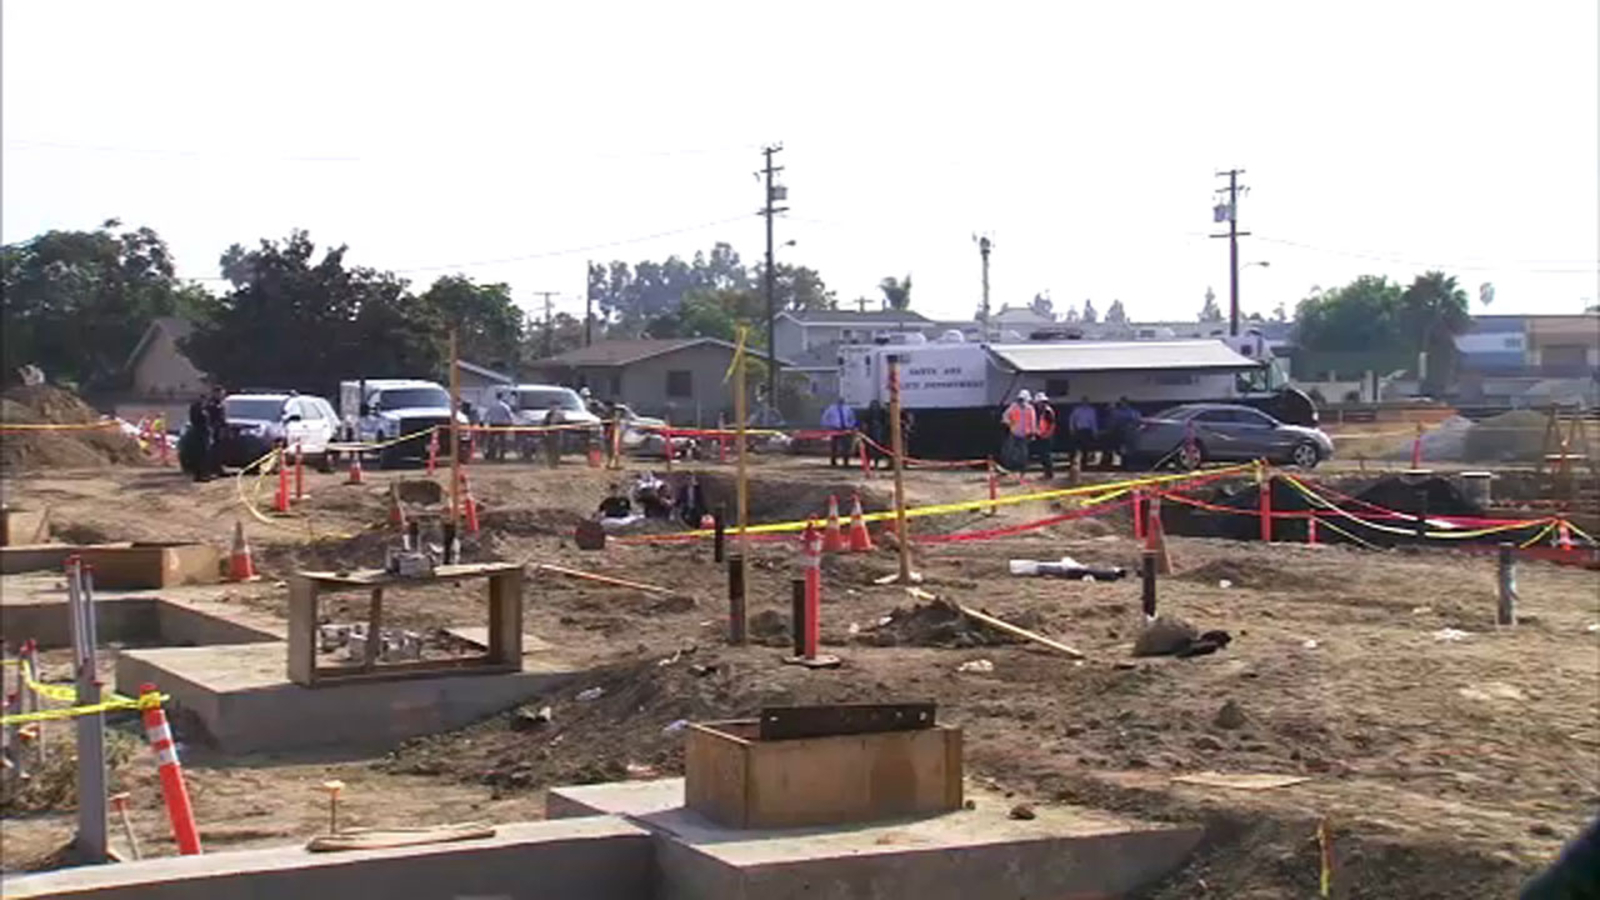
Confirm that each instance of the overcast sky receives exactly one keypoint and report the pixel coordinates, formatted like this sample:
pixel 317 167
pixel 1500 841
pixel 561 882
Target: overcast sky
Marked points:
pixel 514 140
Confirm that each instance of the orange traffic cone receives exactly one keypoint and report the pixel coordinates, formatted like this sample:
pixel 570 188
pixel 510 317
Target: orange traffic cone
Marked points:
pixel 240 565
pixel 397 513
pixel 469 506
pixel 860 541
pixel 280 500
pixel 833 539
pixel 356 475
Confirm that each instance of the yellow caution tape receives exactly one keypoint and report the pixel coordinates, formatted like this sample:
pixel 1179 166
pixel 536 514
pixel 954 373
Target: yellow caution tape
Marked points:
pixel 1091 490
pixel 66 694
pixel 1442 535
pixel 1537 537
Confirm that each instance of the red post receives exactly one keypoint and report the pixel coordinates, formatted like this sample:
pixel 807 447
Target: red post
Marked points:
pixel 866 459
pixel 433 451
pixel 812 546
pixel 722 448
pixel 172 786
pixel 994 488
pixel 280 499
pixel 160 429
pixel 1264 484
pixel 1311 527
pixel 1138 514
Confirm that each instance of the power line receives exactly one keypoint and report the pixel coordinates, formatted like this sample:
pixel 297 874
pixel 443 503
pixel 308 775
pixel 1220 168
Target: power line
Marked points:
pixel 1580 268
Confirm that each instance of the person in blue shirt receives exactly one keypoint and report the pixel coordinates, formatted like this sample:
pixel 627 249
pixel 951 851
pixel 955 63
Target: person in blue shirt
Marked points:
pixel 839 418
pixel 1083 432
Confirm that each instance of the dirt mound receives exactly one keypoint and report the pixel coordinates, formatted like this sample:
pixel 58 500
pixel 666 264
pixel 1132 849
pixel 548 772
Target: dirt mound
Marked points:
pixel 64 449
pixel 936 624
pixel 1516 436
pixel 632 729
pixel 1247 573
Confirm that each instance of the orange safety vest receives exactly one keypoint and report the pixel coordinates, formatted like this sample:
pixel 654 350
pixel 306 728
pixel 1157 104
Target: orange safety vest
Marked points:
pixel 1021 419
pixel 1047 421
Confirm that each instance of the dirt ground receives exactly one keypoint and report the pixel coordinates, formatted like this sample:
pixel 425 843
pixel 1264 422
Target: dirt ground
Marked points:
pixel 1445 767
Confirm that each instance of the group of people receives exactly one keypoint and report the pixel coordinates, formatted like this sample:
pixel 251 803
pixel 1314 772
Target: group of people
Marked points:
pixel 200 451
pixel 872 425
pixel 498 414
pixel 652 498
pixel 1031 427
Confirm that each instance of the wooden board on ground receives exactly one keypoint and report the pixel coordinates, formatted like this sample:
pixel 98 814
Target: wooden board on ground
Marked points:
pixel 24 526
pixel 1241 781
pixel 378 838
pixel 478 636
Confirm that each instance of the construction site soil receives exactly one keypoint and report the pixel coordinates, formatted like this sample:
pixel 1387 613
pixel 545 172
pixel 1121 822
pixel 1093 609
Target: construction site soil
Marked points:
pixel 72 447
pixel 1450 759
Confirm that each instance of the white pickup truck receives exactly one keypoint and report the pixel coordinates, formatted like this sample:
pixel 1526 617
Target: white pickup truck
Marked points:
pixel 378 410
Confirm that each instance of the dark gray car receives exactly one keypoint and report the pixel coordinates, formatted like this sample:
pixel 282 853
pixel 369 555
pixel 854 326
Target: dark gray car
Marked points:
pixel 1224 432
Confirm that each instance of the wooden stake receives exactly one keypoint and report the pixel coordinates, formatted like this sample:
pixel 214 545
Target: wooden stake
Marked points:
pixel 455 430
pixel 605 579
pixel 897 440
pixel 739 412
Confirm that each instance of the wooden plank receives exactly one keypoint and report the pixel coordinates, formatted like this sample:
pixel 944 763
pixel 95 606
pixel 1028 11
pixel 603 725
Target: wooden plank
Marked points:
pixel 140 566
pixel 363 578
pixel 1009 628
pixel 374 630
pixel 427 668
pixel 24 526
pixel 853 778
pixel 302 630
pixel 716 775
pixel 780 723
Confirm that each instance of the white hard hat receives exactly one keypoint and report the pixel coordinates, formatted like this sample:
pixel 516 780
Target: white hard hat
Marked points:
pixel 1024 395
pixel 1041 398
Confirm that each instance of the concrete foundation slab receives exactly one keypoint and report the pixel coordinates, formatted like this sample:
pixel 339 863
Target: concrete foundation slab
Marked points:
pixel 241 698
pixel 1063 853
pixel 35 606
pixel 588 859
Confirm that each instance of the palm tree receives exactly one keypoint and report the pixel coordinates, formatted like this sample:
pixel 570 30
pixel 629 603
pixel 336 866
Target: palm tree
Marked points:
pixel 1433 310
pixel 896 292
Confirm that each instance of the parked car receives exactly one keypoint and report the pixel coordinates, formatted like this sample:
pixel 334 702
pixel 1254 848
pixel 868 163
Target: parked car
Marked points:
pixel 1224 432
pixel 258 421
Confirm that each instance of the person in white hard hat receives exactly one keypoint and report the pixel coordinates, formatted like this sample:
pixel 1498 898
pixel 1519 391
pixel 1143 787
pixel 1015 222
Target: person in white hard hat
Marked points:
pixel 1021 425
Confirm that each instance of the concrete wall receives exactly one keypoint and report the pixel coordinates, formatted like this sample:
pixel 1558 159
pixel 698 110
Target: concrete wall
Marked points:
pixel 601 858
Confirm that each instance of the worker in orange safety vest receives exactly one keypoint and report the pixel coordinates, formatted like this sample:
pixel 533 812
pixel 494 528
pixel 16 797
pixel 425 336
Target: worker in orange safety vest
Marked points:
pixel 1044 434
pixel 1022 424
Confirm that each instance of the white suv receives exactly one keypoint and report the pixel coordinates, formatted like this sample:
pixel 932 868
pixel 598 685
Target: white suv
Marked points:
pixel 257 421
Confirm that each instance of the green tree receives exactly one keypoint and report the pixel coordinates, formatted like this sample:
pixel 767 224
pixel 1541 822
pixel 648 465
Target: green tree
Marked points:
pixel 294 321
pixel 799 288
pixel 896 292
pixel 1433 313
pixel 1116 314
pixel 1043 305
pixel 1089 314
pixel 1362 316
pixel 76 302
pixel 1211 312
pixel 489 324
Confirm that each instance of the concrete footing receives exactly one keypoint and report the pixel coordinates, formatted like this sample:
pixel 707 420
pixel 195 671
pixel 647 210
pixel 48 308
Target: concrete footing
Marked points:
pixel 241 697
pixel 1062 853
pixel 601 858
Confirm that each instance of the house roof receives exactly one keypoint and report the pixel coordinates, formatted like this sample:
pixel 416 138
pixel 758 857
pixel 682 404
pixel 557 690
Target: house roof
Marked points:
pixel 851 317
pixel 816 359
pixel 175 327
pixel 483 372
pixel 626 352
pixel 1126 356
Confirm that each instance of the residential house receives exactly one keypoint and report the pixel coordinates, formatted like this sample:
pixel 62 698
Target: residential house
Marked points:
pixel 1530 360
pixel 161 379
pixel 803 330
pixel 679 379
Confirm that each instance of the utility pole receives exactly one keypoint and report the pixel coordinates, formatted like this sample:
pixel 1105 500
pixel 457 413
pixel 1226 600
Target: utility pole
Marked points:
pixel 774 193
pixel 984 246
pixel 1231 210
pixel 588 305
pixel 549 323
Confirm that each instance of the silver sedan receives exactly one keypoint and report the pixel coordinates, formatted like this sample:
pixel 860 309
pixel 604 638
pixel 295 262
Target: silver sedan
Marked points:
pixel 1194 433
